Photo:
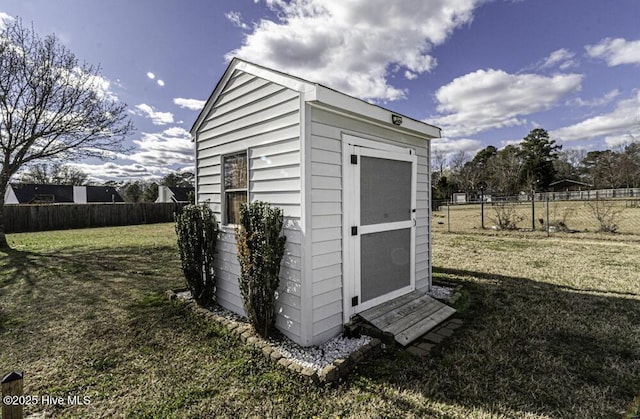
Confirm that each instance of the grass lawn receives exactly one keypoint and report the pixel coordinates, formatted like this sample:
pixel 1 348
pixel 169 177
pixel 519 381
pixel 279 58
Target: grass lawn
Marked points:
pixel 551 330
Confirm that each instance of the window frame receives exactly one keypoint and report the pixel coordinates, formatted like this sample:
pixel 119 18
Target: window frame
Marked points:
pixel 224 190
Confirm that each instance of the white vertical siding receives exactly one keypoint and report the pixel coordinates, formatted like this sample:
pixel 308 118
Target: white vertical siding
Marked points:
pixel 262 117
pixel 326 201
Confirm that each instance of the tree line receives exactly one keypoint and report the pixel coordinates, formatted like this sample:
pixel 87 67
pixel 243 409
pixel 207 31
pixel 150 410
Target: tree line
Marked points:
pixel 533 164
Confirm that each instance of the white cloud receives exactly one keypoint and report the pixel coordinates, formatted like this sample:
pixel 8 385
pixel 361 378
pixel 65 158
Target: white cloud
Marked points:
pixel 487 99
pixel 160 82
pixel 621 121
pixel 156 155
pixel 351 45
pixel 410 75
pixel 5 19
pixel 452 146
pixel 99 173
pixel 157 118
pixel 102 87
pixel 600 101
pixel 99 84
pixel 236 19
pixel 191 104
pixel 561 58
pixel 169 147
pixel 614 141
pixel 616 51
pixel 151 75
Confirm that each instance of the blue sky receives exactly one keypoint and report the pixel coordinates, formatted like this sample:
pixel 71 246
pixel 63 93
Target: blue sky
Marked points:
pixel 487 72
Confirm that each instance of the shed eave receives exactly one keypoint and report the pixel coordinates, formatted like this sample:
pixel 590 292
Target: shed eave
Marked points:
pixel 322 95
pixel 315 93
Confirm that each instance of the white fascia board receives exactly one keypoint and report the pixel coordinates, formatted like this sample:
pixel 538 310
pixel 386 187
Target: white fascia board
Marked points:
pixel 350 105
pixel 290 82
pixel 212 98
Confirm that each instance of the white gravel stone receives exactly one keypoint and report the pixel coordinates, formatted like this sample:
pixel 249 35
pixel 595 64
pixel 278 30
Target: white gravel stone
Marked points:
pixel 314 357
pixel 318 357
pixel 440 292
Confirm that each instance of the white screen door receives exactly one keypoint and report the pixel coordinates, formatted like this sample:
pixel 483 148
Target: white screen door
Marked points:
pixel 381 185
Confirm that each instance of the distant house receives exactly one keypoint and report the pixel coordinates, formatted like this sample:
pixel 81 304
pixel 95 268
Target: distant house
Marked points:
pixel 21 193
pixel 174 193
pixel 567 185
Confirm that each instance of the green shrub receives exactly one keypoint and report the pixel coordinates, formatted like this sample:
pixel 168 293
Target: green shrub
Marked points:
pixel 197 231
pixel 260 250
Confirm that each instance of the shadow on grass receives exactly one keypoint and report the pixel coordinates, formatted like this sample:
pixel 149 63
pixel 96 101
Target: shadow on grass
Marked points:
pixel 48 287
pixel 528 346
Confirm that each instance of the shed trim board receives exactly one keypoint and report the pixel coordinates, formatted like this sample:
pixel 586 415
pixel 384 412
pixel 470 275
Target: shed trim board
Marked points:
pixel 306 224
pixel 298 159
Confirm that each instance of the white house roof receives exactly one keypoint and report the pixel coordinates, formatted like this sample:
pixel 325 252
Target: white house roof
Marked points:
pixel 316 94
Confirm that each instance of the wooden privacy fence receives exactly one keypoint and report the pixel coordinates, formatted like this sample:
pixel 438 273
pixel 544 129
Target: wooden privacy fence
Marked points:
pixel 24 218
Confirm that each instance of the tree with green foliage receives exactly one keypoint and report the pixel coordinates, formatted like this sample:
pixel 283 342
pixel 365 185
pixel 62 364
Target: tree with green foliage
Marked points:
pixel 197 231
pixel 150 193
pixel 505 168
pixel 538 152
pixel 52 106
pixel 260 251
pixel 182 179
pixel 132 192
pixel 600 169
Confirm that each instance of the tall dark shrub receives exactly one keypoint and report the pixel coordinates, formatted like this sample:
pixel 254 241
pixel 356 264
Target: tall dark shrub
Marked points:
pixel 260 250
pixel 197 231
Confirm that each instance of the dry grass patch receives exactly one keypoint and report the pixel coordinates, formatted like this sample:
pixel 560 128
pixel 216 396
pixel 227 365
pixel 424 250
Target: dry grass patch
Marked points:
pixel 550 331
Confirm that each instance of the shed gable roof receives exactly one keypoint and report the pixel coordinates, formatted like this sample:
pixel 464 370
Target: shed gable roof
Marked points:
pixel 316 94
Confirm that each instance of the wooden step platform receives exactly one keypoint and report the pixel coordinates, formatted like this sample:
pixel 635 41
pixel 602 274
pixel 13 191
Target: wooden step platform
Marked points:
pixel 408 317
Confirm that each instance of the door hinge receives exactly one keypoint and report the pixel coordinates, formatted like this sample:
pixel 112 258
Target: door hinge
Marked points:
pixel 354 231
pixel 354 301
pixel 354 159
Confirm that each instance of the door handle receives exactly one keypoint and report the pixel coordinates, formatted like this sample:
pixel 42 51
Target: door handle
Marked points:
pixel 414 222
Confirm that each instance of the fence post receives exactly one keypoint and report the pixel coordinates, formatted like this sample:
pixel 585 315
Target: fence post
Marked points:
pixel 448 217
pixel 548 224
pixel 482 207
pixel 533 207
pixel 12 386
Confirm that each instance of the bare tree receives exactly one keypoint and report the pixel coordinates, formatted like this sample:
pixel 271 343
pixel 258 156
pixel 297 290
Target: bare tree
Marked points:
pixel 51 106
pixel 458 160
pixel 438 162
pixel 55 174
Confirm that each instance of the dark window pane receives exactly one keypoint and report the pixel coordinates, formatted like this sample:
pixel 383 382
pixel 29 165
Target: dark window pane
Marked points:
pixel 385 262
pixel 385 190
pixel 234 200
pixel 235 171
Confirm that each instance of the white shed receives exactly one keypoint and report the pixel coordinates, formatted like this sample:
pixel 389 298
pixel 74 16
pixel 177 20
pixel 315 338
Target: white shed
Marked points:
pixel 352 178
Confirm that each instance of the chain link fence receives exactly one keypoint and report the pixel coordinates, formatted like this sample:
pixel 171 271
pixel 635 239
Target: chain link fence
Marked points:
pixel 545 213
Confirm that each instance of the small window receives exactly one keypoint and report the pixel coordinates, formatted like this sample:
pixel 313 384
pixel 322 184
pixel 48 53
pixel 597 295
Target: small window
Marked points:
pixel 235 185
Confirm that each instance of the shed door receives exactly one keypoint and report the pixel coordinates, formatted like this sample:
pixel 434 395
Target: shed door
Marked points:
pixel 382 229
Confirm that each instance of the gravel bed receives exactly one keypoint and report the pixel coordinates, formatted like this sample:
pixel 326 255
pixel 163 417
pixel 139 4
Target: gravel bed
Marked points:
pixel 318 357
pixel 439 292
pixel 314 357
